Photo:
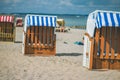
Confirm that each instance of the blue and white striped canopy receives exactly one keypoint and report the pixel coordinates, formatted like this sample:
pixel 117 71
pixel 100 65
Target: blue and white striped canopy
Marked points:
pixel 41 20
pixel 107 19
pixel 98 19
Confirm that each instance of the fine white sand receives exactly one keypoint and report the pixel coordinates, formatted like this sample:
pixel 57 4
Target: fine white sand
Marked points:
pixel 66 65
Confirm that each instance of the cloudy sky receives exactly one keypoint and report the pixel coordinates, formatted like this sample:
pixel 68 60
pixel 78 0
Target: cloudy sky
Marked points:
pixel 58 6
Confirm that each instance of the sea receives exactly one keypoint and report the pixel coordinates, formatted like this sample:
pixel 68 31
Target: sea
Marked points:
pixel 74 20
pixel 71 20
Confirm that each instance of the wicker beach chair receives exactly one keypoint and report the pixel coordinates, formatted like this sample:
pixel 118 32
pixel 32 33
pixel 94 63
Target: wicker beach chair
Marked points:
pixel 102 40
pixel 7 28
pixel 39 37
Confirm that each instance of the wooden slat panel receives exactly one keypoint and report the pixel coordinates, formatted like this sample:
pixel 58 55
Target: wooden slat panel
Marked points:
pixel 96 41
pixel 118 43
pixel 7 31
pixel 44 34
pixel 28 36
pixel 5 36
pixel 91 54
pixel 38 41
pixel 52 31
pixel 97 36
pixel 104 64
pixel 11 31
pixel 36 33
pixel 102 43
pixel 32 35
pixel 40 35
pixel 48 36
pixel 107 42
pixel 50 41
pixel 0 30
pixel 3 31
pixel 115 41
pixel 113 45
pixel 7 28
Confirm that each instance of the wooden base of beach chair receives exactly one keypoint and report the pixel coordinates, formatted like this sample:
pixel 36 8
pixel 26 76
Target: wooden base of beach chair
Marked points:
pixel 40 41
pixel 105 48
pixel 106 64
pixel 6 31
pixel 40 51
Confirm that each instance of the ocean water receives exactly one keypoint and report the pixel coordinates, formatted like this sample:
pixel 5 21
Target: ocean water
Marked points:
pixel 74 20
pixel 70 20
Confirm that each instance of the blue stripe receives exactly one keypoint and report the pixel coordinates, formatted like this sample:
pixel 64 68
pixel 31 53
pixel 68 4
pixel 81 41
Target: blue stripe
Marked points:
pixel 42 20
pixel 33 20
pixel 97 25
pixel 118 19
pixel 100 22
pixel 55 21
pixel 28 21
pixel 106 19
pixel 46 21
pixel 112 19
pixel 38 22
pixel 51 21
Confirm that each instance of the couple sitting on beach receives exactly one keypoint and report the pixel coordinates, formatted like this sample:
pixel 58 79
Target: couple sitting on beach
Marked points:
pixel 62 29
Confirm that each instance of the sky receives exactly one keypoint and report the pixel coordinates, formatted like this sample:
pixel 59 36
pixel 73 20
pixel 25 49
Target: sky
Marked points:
pixel 58 6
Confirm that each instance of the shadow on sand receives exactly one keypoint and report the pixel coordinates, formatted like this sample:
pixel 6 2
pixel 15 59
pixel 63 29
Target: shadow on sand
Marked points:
pixel 69 54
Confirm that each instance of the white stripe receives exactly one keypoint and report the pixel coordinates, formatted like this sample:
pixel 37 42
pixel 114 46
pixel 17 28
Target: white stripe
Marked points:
pixel 115 19
pixel 4 18
pixel 27 21
pixel 36 24
pixel 10 18
pixel 98 21
pixel 31 21
pixel 49 24
pixel 53 21
pixel 44 21
pixel 7 18
pixel 40 22
pixel 102 18
pixel 109 19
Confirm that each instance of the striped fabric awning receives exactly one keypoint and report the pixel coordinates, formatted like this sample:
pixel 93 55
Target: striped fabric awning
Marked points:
pixel 107 19
pixel 41 20
pixel 7 19
pixel 98 19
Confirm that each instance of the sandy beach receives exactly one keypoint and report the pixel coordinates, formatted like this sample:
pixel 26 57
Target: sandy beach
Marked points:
pixel 66 65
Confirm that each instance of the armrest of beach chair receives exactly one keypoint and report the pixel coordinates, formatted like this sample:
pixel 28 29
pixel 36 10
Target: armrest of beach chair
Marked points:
pixel 86 34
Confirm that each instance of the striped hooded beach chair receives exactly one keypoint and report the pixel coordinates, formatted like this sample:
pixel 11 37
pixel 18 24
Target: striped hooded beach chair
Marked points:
pixel 39 37
pixel 6 28
pixel 102 40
